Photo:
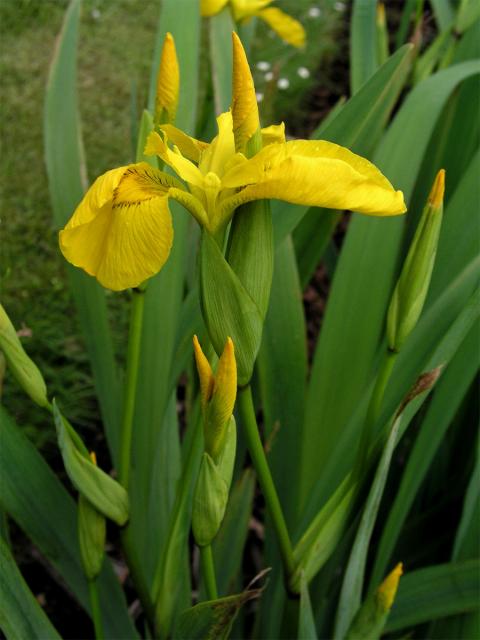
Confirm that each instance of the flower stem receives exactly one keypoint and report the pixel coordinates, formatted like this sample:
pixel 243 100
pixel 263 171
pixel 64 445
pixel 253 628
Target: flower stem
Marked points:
pixel 133 358
pixel 257 453
pixel 208 572
pixel 374 408
pixel 95 608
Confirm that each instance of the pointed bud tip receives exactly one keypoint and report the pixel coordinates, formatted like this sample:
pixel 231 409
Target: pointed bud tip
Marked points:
pixel 436 194
pixel 388 589
pixel 93 457
pixel 381 13
pixel 205 373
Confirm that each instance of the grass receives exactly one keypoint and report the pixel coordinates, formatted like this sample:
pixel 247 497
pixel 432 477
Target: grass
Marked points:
pixel 115 51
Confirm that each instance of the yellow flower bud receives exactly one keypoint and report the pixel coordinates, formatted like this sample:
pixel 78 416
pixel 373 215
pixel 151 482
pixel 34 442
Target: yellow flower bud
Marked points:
pixel 218 395
pixel 168 81
pixel 245 116
pixel 412 287
pixel 387 591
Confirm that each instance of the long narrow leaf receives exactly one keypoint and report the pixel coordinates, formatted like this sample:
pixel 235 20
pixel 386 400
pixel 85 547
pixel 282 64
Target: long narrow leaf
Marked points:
pixel 448 395
pixel 33 496
pixel 363 280
pixel 363 50
pixel 20 614
pixel 66 176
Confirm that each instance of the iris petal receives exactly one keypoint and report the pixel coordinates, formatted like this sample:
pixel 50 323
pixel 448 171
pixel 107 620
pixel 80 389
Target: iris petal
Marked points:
pixel 314 173
pixel 122 231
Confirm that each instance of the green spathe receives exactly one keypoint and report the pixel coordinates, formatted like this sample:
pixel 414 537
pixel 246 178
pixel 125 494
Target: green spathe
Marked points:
pixel 22 367
pixel 212 489
pixel 105 494
pixel 412 286
pixel 228 309
pixel 91 537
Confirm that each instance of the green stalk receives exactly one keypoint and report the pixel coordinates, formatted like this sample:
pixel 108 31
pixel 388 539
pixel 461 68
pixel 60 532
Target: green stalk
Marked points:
pixel 133 359
pixel 257 453
pixel 96 611
pixel 208 572
pixel 373 411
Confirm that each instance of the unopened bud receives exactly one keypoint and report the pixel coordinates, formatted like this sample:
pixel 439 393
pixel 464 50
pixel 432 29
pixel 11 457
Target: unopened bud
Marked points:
pixel 372 616
pixel 245 116
pixel 218 395
pixel 91 534
pixel 412 286
pixel 168 82
pixel 387 591
pixel 24 370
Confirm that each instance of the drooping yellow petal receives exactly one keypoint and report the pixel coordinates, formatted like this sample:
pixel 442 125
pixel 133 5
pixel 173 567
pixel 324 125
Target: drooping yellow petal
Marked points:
pixel 205 373
pixel 287 27
pixel 243 9
pixel 314 173
pixel 211 7
pixel 182 166
pixel 244 102
pixel 273 133
pixel 168 81
pixel 191 148
pixel 121 232
pixel 387 590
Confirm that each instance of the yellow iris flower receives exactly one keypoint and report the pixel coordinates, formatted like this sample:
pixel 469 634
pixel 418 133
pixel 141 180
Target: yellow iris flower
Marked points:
pixel 122 230
pixel 284 25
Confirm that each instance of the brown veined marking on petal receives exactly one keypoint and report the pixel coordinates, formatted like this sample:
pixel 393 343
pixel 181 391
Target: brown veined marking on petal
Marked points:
pixel 141 183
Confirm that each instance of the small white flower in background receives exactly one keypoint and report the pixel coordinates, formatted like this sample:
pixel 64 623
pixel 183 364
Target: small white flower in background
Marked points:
pixel 268 76
pixel 340 6
pixel 314 12
pixel 259 96
pixel 96 13
pixel 263 65
pixel 283 83
pixel 303 72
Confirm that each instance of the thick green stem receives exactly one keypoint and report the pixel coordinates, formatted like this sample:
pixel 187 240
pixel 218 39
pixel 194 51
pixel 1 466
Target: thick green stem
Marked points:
pixel 131 377
pixel 208 572
pixel 257 453
pixel 133 359
pixel 96 611
pixel 373 411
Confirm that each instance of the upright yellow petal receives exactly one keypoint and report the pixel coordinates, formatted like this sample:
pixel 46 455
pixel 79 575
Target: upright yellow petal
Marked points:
pixel 205 372
pixel 387 591
pixel 211 7
pixel 287 27
pixel 314 173
pixel 121 232
pixel 190 147
pixel 184 168
pixel 168 81
pixel 222 148
pixel 273 133
pixel 244 102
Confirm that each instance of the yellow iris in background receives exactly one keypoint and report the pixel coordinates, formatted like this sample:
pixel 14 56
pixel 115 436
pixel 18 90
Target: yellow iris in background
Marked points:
pixel 284 25
pixel 122 230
